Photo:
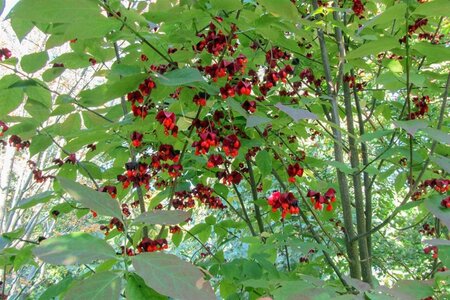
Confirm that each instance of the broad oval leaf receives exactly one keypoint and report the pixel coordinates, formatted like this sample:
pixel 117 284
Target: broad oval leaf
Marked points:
pixel 373 47
pixel 253 121
pixel 438 135
pixel 442 162
pixel 32 62
pixel 99 202
pixel 264 162
pixel 35 199
pixel 396 11
pixel 163 217
pixel 100 286
pixel 296 114
pixel 411 126
pixel 57 289
pixel 282 9
pixel 434 8
pixel 178 77
pixel 52 11
pixel 137 290
pixel 73 248
pixel 171 276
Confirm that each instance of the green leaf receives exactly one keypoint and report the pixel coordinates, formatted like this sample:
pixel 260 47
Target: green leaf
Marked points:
pixel 282 9
pixel 396 11
pixel 101 203
pixel 73 248
pixel 433 53
pixel 32 62
pixel 221 190
pixel 39 143
pixel 171 276
pixel 73 60
pixel 21 27
pixel 97 26
pixel 10 99
pixel 15 234
pixel 342 167
pixel 373 47
pixel 56 289
pixel 416 289
pixel 163 217
pixel 264 162
pixel 52 73
pixel 34 200
pixel 226 5
pixel 396 67
pixel 433 8
pixel 433 204
pixel 442 162
pixel 411 126
pixel 52 11
pixel 39 94
pixel 137 290
pixel 37 110
pixel 177 238
pixel 438 135
pixel 374 135
pixel 100 286
pixel 253 121
pixel 185 76
pixel 296 113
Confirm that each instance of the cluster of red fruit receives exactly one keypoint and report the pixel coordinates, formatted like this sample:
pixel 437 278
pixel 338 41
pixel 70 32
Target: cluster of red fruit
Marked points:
pixel 165 153
pixel 168 120
pixel 229 178
pixel 358 8
pixel 446 202
pixel 427 230
pixel 136 138
pixel 413 28
pixel 286 202
pixel 439 185
pixel 294 170
pixel 37 173
pixel 273 74
pixel 4 128
pixel 338 224
pixel 319 200
pixel 433 38
pixel 209 137
pixel 305 259
pixel 225 68
pixel 421 105
pixel 5 53
pixel 110 189
pixel 200 99
pixel 202 193
pixel 149 245
pixel 216 42
pixel 352 82
pixel 429 249
pixel 113 222
pixel 214 160
pixel 138 107
pixel 136 173
pixel 16 141
pixel 174 229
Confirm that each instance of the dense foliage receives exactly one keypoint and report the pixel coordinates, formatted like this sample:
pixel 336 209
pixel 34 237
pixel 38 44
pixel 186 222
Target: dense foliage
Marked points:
pixel 231 149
